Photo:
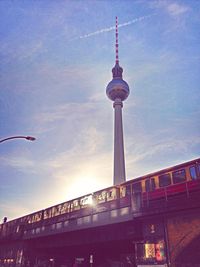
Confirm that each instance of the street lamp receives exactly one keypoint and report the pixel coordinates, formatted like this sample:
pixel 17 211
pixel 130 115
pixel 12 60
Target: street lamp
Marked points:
pixel 29 138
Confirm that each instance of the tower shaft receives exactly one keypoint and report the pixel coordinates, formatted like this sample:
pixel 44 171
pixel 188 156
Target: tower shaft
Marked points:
pixel 118 90
pixel 119 161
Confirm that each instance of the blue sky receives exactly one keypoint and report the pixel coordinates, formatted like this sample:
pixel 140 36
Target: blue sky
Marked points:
pixel 55 62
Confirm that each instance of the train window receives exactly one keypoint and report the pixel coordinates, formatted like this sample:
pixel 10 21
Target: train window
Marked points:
pixel 47 214
pixel 198 170
pixel 125 190
pixel 56 210
pixel 111 194
pixel 137 187
pixel 128 190
pixel 122 191
pixel 75 205
pixel 153 184
pixel 65 207
pixel 150 185
pixel 179 176
pixel 147 185
pixel 164 180
pixel 101 197
pixel 104 195
pixel 193 173
pixel 85 201
pixel 59 208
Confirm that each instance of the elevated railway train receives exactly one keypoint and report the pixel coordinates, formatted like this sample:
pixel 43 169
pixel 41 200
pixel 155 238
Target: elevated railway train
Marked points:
pixel 182 178
pixel 152 188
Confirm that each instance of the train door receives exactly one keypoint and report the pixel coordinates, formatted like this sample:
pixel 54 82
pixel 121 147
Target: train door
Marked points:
pixel 136 202
pixel 149 188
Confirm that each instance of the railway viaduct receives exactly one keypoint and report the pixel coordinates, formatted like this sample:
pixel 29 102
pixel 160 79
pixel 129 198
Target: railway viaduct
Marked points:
pixel 111 238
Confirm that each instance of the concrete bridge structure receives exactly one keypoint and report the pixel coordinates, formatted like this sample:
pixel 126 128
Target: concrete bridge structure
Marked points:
pixel 118 237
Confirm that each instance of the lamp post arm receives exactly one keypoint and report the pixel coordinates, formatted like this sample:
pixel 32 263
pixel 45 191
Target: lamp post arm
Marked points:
pixel 30 138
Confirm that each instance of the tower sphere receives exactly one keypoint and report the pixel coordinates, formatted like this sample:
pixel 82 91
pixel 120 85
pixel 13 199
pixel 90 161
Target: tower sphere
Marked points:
pixel 117 88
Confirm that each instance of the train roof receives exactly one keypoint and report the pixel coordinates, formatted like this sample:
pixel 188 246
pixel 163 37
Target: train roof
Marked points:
pixel 171 168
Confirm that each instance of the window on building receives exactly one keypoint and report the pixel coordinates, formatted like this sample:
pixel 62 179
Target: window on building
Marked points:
pixel 37 230
pixel 151 253
pixel 53 226
pixel 66 223
pixel 164 179
pixel 59 225
pixel 179 176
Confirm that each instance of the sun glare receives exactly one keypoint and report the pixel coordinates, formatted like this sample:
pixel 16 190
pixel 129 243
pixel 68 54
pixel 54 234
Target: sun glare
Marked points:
pixel 85 180
pixel 83 185
pixel 87 200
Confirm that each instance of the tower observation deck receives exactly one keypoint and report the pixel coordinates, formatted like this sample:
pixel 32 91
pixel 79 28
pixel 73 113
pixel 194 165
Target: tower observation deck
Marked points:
pixel 118 90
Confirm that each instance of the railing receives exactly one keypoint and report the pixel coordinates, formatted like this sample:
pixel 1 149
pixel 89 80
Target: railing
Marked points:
pixel 162 196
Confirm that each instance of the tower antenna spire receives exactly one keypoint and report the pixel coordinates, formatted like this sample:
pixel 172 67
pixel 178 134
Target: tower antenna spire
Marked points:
pixel 116 44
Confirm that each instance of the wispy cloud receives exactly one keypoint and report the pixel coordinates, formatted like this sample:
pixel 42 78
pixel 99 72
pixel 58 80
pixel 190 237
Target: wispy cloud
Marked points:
pixel 163 61
pixel 171 7
pixel 79 169
pixel 148 151
pixel 165 146
pixel 86 156
pixel 175 9
pixel 111 28
pixel 19 162
pixel 22 51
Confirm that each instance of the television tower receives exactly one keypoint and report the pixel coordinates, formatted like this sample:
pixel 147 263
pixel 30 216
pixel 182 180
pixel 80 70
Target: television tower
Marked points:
pixel 118 90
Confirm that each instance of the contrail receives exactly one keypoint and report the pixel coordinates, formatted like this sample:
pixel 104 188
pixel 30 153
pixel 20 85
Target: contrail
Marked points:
pixel 113 27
